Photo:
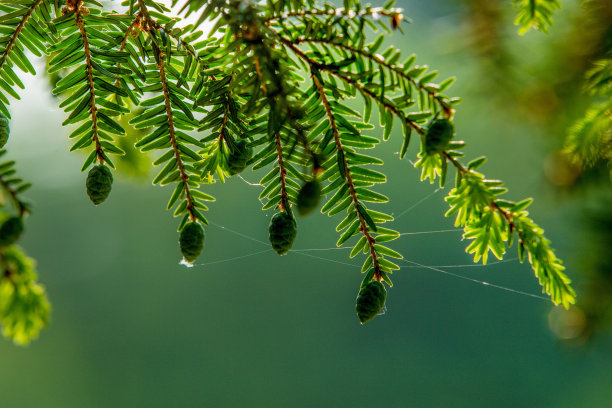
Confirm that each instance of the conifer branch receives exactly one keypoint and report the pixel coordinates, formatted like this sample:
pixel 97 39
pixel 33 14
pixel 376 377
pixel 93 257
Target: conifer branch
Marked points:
pixel 462 169
pixel 291 115
pixel 90 79
pixel 242 85
pixel 347 171
pixel 334 12
pixel 150 23
pixel 262 81
pixel 177 153
pixel 442 102
pixel 226 114
pixel 321 67
pixel 385 104
pixel 133 25
pixel 541 257
pixel 13 40
pixel 283 174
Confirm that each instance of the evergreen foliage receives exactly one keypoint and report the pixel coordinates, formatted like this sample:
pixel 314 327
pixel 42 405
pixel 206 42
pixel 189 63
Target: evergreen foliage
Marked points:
pixel 589 141
pixel 535 14
pixel 267 87
pixel 24 308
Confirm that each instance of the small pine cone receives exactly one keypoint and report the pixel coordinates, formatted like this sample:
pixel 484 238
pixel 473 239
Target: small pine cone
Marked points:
pixel 283 230
pixel 191 241
pixel 99 181
pixel 4 131
pixel 308 197
pixel 239 157
pixel 370 301
pixel 10 231
pixel 439 134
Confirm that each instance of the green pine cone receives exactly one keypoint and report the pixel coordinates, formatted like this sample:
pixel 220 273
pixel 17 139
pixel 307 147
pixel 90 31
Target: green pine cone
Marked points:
pixel 370 301
pixel 308 197
pixel 99 181
pixel 283 230
pixel 4 131
pixel 191 241
pixel 239 157
pixel 10 231
pixel 438 136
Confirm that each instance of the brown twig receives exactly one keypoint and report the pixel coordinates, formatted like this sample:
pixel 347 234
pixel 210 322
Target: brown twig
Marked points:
pixel 177 152
pixel 283 174
pixel 151 24
pixel 224 122
pixel 259 73
pixel 134 23
pixel 290 113
pixel 93 110
pixel 349 180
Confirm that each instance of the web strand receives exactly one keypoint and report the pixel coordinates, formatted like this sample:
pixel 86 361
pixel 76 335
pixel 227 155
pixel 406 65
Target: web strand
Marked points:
pixel 421 201
pixel 432 232
pixel 239 233
pixel 233 258
pixel 407 263
pixel 492 285
pixel 248 182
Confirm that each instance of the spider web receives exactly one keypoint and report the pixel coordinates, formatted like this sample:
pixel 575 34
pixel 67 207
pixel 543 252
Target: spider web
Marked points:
pixel 406 263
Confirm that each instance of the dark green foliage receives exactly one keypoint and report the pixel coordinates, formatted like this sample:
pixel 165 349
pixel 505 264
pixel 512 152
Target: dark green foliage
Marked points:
pixel 25 26
pixel 438 136
pixel 370 301
pixel 589 141
pixel 99 182
pixel 308 198
pixel 191 241
pixel 240 154
pixel 10 231
pixel 283 230
pixel 271 86
pixel 4 131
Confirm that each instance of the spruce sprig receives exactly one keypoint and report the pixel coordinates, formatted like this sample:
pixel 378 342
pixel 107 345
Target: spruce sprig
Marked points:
pixel 536 14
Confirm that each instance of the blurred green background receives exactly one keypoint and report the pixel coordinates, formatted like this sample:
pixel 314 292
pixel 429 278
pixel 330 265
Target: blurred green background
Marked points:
pixel 132 328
